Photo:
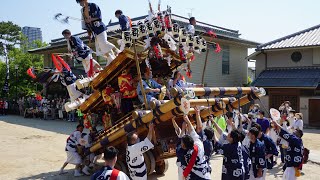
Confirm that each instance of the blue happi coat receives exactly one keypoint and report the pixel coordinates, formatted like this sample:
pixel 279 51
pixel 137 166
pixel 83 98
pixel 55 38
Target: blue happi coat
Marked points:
pixel 78 47
pixel 96 26
pixel 232 167
pixel 271 148
pixel 257 154
pixel 294 152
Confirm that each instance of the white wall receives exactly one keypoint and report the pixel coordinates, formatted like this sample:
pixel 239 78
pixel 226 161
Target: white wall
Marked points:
pixel 213 74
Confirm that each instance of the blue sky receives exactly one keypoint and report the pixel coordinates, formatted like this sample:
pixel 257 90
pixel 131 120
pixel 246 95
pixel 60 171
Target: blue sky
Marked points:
pixel 260 21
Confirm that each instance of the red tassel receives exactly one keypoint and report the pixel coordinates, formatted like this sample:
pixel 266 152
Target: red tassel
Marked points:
pixel 57 64
pixel 90 72
pixel 182 56
pixel 31 74
pixel 66 65
pixel 193 57
pixel 212 35
pixel 218 48
pixel 157 52
pixel 182 78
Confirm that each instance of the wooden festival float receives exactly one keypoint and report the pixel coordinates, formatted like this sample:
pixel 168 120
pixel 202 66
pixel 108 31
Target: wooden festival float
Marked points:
pixel 213 100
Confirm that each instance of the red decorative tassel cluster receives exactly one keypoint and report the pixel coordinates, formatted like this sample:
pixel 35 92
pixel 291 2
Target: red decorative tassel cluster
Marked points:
pixel 157 51
pixel 90 72
pixel 218 48
pixel 182 56
pixel 59 63
pixel 30 73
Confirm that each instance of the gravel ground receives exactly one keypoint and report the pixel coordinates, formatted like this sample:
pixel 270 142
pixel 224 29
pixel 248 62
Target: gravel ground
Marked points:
pixel 34 149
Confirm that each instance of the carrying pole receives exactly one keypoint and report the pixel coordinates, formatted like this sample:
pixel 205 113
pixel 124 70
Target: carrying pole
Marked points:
pixel 139 75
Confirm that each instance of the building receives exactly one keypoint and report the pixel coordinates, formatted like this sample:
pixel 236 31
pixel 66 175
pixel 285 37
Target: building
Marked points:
pixel 32 34
pixel 227 68
pixel 289 69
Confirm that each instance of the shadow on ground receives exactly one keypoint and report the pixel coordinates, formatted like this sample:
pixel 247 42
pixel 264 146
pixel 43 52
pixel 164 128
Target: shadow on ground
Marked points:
pixel 69 175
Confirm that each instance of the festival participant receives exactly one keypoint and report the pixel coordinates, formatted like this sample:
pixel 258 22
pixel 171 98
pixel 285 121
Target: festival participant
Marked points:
pixel 283 144
pixel 177 81
pixel 291 118
pixel 5 107
pixel 81 52
pixel 108 172
pixel 68 79
pixel 73 142
pixel 98 29
pixel 151 87
pixel 190 28
pixel 264 122
pixel 1 107
pixel 124 21
pixel 298 122
pixel 253 110
pixel 221 121
pixel 257 155
pixel 285 107
pixel 197 167
pixel 271 148
pixel 294 152
pixel 206 136
pixel 230 147
pixel 135 150
pixel 180 152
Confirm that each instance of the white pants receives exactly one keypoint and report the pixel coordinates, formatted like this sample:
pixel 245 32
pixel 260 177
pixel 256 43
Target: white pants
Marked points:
pixel 103 46
pixel 289 174
pixel 261 178
pixel 73 158
pixel 86 62
pixel 73 92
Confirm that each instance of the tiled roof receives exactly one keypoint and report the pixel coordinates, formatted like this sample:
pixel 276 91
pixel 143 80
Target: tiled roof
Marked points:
pixel 307 37
pixel 114 29
pixel 294 77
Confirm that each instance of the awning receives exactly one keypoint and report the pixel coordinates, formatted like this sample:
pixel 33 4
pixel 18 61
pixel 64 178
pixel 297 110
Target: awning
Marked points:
pixel 289 78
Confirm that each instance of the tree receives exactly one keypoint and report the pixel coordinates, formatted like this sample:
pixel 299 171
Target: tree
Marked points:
pixel 10 34
pixel 24 83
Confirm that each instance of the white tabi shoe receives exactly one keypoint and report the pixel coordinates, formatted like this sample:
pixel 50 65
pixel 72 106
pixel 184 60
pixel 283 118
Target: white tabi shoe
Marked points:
pixel 83 83
pixel 85 170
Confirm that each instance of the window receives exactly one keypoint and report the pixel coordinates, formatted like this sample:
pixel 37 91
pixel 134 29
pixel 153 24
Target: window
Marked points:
pixel 296 56
pixel 225 60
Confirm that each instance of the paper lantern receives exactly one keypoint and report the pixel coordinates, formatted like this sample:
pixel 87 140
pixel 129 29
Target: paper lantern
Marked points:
pixel 162 22
pixel 183 35
pixel 157 26
pixel 197 42
pixel 150 29
pixel 126 37
pixel 143 30
pixel 203 46
pixel 175 30
pixel 190 40
pixel 135 32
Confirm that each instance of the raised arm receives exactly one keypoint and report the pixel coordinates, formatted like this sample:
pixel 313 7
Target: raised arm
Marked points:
pixel 198 119
pixel 190 126
pixel 218 128
pixel 176 127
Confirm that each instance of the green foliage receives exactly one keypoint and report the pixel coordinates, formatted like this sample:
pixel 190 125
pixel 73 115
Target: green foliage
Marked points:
pixel 11 34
